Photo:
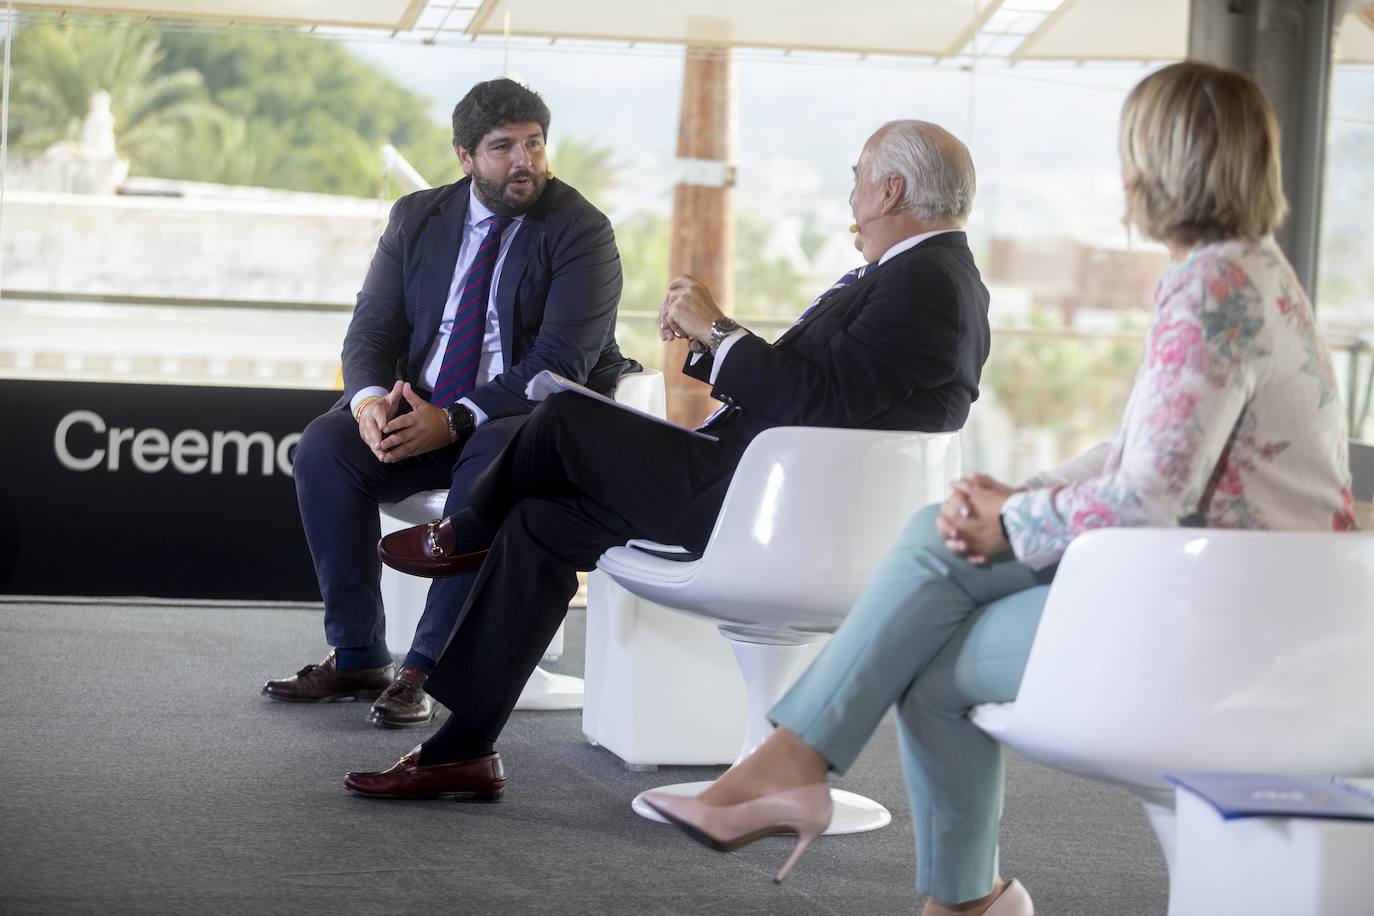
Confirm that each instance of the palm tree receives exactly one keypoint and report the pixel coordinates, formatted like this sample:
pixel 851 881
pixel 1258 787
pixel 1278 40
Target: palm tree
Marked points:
pixel 222 148
pixel 586 165
pixel 58 67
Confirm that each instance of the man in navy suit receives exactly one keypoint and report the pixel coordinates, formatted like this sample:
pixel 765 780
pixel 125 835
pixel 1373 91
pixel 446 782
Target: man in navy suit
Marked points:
pixel 475 288
pixel 898 344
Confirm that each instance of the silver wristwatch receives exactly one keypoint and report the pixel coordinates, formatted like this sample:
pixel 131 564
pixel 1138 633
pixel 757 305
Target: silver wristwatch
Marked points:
pixel 720 329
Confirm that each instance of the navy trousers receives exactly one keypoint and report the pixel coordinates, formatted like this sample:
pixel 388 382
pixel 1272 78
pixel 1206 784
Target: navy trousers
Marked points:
pixel 339 483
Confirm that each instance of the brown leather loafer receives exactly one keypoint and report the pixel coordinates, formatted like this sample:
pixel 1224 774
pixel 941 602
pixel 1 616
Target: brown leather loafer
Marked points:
pixel 324 683
pixel 478 779
pixel 427 550
pixel 404 703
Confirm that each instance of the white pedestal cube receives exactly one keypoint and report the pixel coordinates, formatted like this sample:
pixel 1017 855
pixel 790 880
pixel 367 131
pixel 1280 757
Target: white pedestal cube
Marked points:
pixel 662 688
pixel 1258 866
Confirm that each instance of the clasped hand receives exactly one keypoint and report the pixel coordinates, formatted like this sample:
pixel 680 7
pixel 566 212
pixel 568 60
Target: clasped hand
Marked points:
pixel 688 311
pixel 392 438
pixel 970 519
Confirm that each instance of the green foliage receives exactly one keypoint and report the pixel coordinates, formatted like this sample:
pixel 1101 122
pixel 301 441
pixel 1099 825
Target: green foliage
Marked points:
pixel 272 109
pixel 300 112
pixel 275 109
pixel 433 157
pixel 329 112
pixel 1075 387
pixel 315 92
pixel 812 237
pixel 57 68
pixel 643 243
pixel 224 149
pixel 765 285
pixel 586 165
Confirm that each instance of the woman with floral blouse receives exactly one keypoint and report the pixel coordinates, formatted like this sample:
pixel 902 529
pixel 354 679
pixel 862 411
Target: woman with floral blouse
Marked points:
pixel 1233 423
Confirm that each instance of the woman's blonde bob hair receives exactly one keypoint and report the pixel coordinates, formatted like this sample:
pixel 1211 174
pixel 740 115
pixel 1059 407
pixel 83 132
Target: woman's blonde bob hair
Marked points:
pixel 1200 156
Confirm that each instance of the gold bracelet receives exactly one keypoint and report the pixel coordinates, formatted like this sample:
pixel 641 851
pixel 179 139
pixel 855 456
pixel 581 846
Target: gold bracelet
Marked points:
pixel 363 403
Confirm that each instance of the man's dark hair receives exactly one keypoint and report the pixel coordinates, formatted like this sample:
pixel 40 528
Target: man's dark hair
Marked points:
pixel 489 105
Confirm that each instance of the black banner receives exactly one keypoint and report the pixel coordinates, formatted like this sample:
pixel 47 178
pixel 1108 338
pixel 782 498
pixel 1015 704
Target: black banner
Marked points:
pixel 153 490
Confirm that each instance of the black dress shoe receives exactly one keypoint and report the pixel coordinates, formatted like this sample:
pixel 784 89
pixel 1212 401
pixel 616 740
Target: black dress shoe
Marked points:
pixel 325 683
pixel 429 550
pixel 404 703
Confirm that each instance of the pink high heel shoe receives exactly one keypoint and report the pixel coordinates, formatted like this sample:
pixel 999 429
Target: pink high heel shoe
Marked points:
pixel 804 811
pixel 1013 901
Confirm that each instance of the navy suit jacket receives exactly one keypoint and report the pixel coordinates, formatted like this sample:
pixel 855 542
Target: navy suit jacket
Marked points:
pixel 902 347
pixel 556 299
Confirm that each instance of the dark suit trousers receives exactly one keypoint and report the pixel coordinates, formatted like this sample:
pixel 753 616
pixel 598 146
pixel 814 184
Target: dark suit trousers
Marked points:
pixel 339 483
pixel 578 478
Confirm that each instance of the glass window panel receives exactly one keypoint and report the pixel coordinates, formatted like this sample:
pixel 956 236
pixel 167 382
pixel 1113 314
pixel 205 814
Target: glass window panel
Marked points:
pixel 231 251
pixel 1345 286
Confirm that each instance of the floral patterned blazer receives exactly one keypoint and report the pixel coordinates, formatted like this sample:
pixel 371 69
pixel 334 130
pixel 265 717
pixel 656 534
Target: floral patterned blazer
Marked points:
pixel 1234 420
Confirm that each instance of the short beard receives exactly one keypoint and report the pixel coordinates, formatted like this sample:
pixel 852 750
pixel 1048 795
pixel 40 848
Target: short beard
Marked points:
pixel 493 193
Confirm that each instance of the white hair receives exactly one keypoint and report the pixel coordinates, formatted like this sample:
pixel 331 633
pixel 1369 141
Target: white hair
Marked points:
pixel 935 166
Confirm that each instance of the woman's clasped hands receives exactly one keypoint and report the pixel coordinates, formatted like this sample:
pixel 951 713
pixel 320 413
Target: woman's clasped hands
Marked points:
pixel 970 521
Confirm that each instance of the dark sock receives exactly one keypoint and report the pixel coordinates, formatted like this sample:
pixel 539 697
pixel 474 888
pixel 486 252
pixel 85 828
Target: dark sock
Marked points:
pixel 421 661
pixel 357 658
pixel 470 533
pixel 454 741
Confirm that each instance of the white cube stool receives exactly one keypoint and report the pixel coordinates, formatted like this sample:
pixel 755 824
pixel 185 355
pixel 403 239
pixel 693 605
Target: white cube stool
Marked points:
pixel 662 687
pixel 1255 866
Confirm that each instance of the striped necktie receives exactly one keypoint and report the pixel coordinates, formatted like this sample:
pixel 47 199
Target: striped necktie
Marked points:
pixel 458 371
pixel 838 285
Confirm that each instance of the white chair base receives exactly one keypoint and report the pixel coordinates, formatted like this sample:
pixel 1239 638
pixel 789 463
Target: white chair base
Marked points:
pixel 768 663
pixel 546 690
pixel 853 813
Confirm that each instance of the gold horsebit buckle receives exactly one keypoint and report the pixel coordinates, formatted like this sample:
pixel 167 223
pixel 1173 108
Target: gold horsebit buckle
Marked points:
pixel 432 536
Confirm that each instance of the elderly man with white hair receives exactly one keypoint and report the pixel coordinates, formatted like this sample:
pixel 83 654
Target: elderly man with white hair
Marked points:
pixel 896 344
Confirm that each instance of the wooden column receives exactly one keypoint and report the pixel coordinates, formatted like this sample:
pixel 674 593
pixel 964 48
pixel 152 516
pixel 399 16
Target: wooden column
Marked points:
pixel 703 225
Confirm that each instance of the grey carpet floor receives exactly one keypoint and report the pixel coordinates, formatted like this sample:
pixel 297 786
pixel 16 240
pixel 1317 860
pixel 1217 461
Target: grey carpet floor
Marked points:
pixel 143 774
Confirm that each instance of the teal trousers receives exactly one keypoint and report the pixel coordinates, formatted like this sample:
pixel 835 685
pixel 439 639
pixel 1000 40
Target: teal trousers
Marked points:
pixel 932 635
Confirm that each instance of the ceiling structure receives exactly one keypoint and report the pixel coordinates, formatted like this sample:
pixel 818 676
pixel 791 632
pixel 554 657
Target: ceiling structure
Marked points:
pixel 1006 31
pixel 1114 29
pixel 1010 30
pixel 396 15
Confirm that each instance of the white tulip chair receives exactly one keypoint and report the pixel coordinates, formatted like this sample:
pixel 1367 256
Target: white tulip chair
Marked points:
pixel 1203 650
pixel 808 516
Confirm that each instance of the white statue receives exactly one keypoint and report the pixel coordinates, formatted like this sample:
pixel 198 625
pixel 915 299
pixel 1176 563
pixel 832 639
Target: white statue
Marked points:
pixel 98 130
pixel 90 164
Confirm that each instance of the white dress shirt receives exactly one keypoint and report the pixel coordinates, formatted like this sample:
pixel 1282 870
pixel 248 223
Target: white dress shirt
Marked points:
pixel 492 362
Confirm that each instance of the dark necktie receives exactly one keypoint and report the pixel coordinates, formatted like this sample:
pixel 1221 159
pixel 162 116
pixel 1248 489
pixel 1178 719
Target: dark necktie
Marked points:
pixel 458 371
pixel 838 285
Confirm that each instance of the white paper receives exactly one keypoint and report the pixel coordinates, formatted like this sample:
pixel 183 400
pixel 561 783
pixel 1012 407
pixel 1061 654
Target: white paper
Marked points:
pixel 549 382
